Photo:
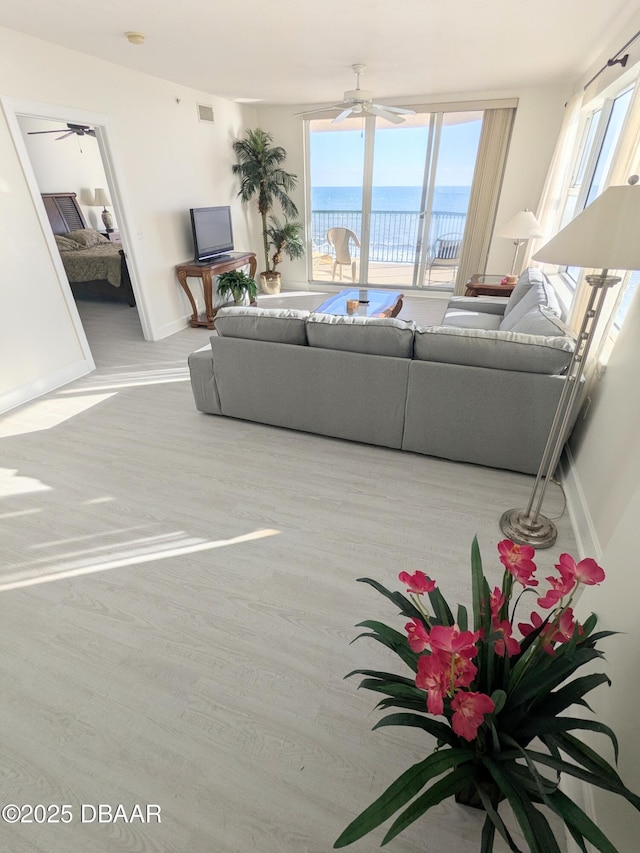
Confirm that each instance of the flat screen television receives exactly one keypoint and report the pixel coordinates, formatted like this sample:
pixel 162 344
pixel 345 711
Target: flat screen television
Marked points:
pixel 212 232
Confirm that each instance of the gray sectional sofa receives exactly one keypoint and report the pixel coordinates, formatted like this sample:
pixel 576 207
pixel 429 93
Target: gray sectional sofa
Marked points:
pixel 481 387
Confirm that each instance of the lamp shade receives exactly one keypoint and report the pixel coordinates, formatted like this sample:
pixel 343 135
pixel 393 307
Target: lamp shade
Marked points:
pixel 606 235
pixel 522 226
pixel 101 199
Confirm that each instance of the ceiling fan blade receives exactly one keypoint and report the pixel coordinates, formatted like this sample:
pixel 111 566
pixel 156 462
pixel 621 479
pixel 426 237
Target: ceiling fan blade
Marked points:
pixel 342 116
pixel 70 133
pixel 383 113
pixel 320 110
pixel 399 110
pixel 36 132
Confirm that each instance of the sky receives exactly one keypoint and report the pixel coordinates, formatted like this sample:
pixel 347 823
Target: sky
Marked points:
pixel 399 156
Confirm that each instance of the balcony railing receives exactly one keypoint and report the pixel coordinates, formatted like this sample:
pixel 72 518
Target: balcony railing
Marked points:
pixel 394 233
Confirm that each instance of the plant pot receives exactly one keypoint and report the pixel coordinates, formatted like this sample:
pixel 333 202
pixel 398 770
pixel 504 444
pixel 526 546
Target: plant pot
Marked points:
pixel 270 282
pixel 469 796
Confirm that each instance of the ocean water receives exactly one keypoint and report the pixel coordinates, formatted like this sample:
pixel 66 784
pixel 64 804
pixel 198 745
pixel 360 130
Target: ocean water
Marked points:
pixel 395 223
pixel 445 199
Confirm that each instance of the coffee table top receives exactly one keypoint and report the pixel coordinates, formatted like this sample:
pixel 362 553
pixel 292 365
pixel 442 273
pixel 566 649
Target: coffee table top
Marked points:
pixel 371 303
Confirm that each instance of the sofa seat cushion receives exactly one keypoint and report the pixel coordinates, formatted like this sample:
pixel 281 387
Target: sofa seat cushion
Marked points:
pixel 371 335
pixel 486 304
pixel 276 325
pixel 531 277
pixel 464 319
pixel 541 294
pixel 526 353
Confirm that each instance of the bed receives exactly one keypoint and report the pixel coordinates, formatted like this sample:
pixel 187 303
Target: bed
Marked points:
pixel 95 266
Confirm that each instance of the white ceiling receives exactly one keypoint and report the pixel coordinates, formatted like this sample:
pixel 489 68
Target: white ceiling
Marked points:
pixel 301 51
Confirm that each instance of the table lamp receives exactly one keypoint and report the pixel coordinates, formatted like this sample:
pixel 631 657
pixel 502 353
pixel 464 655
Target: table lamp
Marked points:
pixel 101 199
pixel 604 235
pixel 522 227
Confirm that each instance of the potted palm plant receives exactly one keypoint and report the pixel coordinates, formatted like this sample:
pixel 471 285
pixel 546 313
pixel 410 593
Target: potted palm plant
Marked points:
pixel 237 285
pixel 285 238
pixel 262 178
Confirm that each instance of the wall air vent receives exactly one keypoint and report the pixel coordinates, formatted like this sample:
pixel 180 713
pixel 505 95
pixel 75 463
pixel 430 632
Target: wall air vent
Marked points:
pixel 205 113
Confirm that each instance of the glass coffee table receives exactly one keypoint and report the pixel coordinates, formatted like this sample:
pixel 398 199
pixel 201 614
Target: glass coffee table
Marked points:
pixel 364 303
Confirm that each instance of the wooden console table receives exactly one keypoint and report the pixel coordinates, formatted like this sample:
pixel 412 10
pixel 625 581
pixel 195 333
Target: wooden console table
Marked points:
pixel 479 286
pixel 205 271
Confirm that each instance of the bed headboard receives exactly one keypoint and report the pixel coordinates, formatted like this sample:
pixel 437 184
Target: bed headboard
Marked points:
pixel 64 212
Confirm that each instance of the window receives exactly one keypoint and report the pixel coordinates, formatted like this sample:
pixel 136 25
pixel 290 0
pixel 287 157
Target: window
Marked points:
pixel 600 136
pixel 629 285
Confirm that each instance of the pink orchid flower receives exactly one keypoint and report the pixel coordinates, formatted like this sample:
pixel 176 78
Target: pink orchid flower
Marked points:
pixel 517 561
pixel 469 710
pixel 536 622
pixel 587 571
pixel 496 600
pixel 417 635
pixel 566 627
pixel 432 677
pixel 506 643
pixel 417 583
pixel 463 671
pixel 450 639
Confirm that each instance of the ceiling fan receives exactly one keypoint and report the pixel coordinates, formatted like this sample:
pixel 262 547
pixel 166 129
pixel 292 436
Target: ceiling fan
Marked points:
pixel 78 129
pixel 360 102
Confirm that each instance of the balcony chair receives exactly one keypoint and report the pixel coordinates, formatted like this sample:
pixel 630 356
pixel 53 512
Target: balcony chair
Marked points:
pixel 340 239
pixel 444 254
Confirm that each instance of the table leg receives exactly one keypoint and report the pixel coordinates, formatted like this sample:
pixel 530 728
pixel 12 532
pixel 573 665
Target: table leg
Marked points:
pixel 207 286
pixel 182 278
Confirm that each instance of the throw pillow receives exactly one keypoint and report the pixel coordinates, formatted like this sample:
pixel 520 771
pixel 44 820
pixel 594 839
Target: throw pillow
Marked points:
pixel 66 245
pixel 538 294
pixel 86 237
pixel 542 321
pixel 530 277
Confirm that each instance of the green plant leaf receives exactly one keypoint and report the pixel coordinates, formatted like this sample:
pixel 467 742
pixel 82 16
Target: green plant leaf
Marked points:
pixel 535 827
pixel 406 607
pixel 495 822
pixel 392 688
pixel 462 618
pixel 418 705
pixel 439 791
pixel 537 726
pixel 480 595
pixel 439 730
pixel 400 792
pixel 577 820
pixel 488 835
pixel 392 639
pixel 597 779
pixel 571 694
pixel 541 680
pixel 441 609
pixel 584 755
pixel 384 676
pixel 498 697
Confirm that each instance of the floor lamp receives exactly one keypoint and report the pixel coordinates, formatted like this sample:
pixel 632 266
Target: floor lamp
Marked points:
pixel 605 235
pixel 522 227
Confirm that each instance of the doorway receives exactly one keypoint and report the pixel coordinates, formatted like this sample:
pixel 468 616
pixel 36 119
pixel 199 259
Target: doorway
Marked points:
pixel 15 110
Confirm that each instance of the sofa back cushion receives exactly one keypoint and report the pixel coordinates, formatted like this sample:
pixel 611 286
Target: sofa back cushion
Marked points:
pixel 493 349
pixel 276 325
pixel 371 335
pixel 530 277
pixel 541 294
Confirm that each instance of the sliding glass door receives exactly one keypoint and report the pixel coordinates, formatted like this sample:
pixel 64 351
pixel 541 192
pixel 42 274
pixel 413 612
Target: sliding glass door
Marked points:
pixel 402 190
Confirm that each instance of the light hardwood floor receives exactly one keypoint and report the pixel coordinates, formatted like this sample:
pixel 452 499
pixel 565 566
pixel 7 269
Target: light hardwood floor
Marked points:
pixel 177 599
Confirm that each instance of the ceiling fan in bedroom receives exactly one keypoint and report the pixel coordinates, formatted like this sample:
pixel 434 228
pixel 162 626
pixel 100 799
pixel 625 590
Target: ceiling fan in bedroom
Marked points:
pixel 69 130
pixel 360 102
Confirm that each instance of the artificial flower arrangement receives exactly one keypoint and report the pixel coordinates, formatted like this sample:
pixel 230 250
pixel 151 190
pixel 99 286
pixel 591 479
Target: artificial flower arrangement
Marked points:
pixel 497 694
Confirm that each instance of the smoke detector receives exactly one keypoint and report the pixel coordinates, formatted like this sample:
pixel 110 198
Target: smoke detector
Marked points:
pixel 134 38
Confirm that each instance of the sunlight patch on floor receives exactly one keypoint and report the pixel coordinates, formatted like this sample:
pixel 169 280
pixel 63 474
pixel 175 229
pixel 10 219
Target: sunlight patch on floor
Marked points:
pixel 157 553
pixel 12 483
pixel 131 379
pixel 46 414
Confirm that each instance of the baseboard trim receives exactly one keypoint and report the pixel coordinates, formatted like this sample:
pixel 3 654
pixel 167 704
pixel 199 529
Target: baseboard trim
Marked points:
pixel 170 328
pixel 26 393
pixel 578 508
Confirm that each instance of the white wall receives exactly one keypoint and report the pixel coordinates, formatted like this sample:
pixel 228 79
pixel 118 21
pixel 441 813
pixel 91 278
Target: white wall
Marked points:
pixel 606 450
pixel 167 161
pixel 538 120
